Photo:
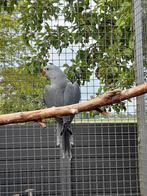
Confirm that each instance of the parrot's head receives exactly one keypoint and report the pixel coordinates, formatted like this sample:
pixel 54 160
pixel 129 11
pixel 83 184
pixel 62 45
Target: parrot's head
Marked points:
pixel 49 72
pixel 52 72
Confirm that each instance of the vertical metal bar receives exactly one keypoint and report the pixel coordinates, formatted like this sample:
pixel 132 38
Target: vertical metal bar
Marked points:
pixel 140 78
pixel 65 170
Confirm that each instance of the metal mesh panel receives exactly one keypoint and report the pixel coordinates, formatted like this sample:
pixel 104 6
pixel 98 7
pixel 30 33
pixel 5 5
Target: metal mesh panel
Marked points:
pixel 29 160
pixel 140 9
pixel 105 151
pixel 105 160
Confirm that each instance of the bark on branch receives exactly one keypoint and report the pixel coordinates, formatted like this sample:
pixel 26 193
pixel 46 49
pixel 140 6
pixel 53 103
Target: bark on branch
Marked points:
pixel 108 98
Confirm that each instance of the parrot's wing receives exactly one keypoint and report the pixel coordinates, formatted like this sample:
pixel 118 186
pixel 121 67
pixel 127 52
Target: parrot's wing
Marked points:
pixel 72 93
pixel 49 96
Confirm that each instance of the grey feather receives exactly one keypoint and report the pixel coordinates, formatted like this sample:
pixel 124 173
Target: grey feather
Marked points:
pixel 61 92
pixel 48 96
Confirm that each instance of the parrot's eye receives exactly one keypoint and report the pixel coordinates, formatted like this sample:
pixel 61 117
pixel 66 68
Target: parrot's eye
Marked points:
pixel 47 69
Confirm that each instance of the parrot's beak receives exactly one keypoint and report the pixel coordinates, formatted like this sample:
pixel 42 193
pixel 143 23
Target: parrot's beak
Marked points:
pixel 43 72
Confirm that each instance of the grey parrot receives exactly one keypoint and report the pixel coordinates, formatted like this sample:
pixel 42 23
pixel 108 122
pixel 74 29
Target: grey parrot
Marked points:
pixel 61 92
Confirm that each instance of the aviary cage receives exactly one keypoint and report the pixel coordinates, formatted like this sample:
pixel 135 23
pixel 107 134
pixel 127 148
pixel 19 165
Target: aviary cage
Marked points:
pixel 99 40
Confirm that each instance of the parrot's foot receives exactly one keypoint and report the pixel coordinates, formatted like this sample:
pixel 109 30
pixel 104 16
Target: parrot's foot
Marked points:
pixel 65 128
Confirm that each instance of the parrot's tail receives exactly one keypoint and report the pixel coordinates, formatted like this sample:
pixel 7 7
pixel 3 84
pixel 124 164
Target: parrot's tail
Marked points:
pixel 66 134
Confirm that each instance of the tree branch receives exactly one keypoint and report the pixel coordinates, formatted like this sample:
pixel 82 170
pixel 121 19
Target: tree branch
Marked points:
pixel 108 98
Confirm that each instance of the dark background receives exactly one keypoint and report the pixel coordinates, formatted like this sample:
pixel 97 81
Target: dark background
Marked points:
pixel 105 160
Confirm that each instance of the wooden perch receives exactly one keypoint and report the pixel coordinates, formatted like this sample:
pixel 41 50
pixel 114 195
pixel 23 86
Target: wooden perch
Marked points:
pixel 108 98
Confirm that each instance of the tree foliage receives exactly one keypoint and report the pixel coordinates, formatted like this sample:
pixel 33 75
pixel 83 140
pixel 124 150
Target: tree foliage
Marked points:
pixel 101 29
pixel 11 46
pixel 104 32
pixel 8 5
pixel 20 90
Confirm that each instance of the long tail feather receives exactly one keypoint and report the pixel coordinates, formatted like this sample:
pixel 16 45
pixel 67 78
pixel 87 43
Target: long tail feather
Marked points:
pixel 66 142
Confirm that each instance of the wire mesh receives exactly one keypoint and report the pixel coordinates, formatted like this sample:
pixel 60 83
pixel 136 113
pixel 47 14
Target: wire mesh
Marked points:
pixel 105 151
pixel 140 22
pixel 105 160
